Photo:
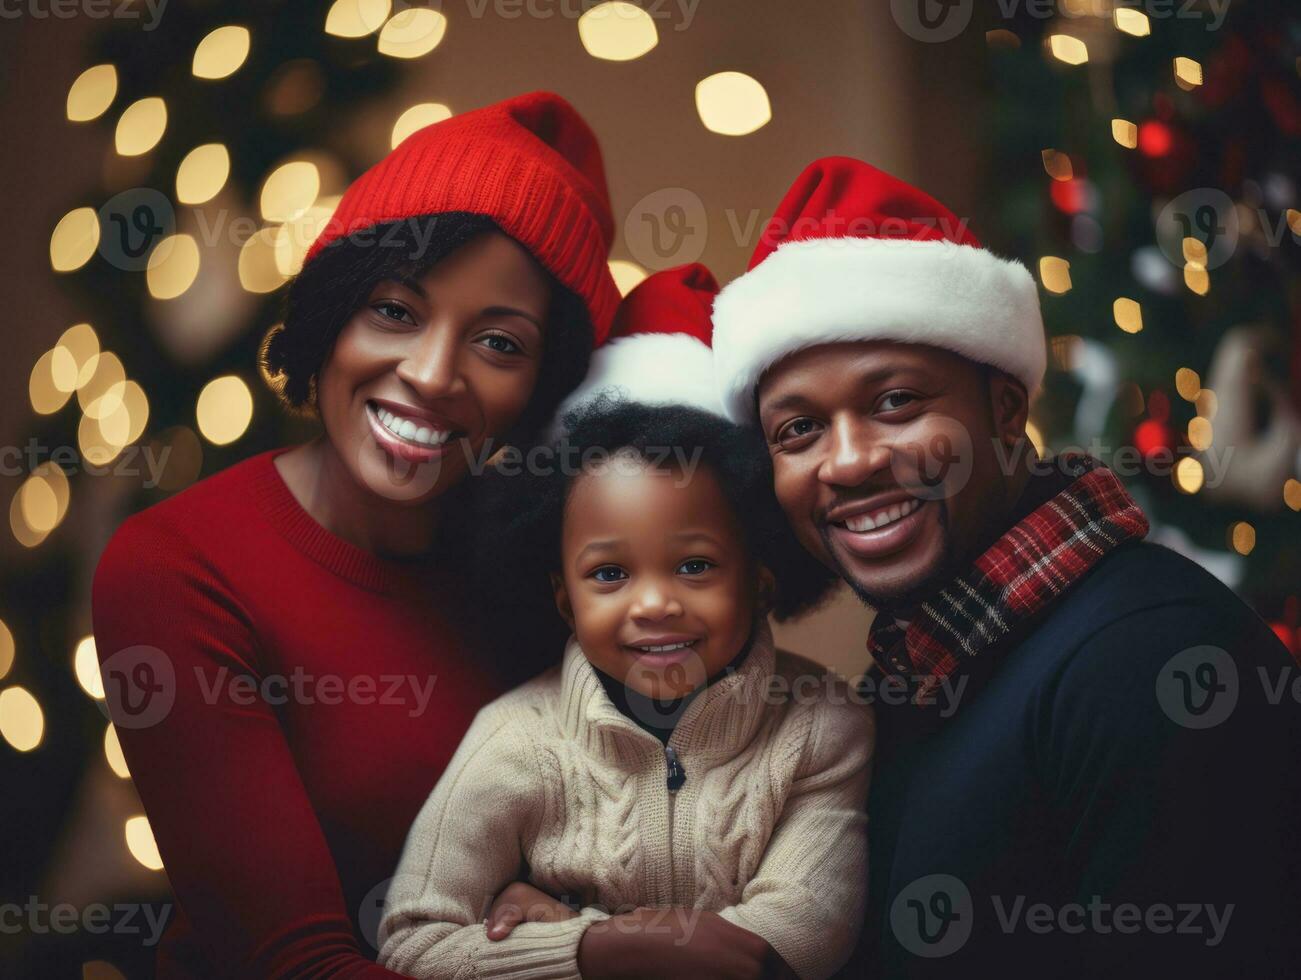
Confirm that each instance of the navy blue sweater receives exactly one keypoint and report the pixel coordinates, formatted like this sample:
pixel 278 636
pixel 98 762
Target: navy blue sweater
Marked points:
pixel 1093 807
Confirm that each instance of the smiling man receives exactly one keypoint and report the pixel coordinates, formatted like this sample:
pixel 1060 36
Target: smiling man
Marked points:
pixel 1087 753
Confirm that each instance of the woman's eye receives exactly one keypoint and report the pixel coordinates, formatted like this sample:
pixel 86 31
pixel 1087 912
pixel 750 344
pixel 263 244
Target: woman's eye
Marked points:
pixel 695 566
pixel 609 573
pixel 797 429
pixel 500 343
pixel 393 311
pixel 892 401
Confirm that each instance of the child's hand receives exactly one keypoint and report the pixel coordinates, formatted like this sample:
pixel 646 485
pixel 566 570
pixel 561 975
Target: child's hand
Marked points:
pixel 521 902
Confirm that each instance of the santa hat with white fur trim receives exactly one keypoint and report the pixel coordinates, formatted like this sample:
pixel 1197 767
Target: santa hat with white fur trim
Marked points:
pixel 658 352
pixel 853 254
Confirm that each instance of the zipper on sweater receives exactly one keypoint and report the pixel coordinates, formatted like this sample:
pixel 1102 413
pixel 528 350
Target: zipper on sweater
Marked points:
pixel 677 775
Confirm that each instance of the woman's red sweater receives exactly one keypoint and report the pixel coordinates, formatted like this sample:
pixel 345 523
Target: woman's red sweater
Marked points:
pixel 286 702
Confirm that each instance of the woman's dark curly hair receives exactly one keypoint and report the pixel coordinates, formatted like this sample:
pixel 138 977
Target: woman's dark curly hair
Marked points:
pixel 337 282
pixel 522 512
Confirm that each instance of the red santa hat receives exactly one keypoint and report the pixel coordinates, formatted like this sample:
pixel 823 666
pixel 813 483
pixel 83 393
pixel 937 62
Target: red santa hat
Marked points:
pixel 531 163
pixel 658 352
pixel 853 254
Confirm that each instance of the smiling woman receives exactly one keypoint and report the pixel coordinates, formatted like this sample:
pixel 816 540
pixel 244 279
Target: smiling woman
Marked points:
pixel 435 319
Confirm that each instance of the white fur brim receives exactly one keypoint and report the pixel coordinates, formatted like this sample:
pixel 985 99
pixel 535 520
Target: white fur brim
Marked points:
pixel 650 369
pixel 833 290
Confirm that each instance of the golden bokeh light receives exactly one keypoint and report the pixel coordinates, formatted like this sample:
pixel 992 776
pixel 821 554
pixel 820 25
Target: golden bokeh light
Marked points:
pixel 141 126
pixel 289 190
pixel 1189 475
pixel 356 18
pixel 140 842
pixel 221 52
pixel 1292 494
pixel 85 664
pixel 202 174
pixel 74 239
pixel 1242 537
pixel 626 275
pixel 1188 383
pixel 1036 437
pixel 258 271
pixel 43 391
pixel 416 118
pixel 92 93
pixel 1058 165
pixel 1055 273
pixel 22 723
pixel 102 392
pixel 1132 21
pixel 1207 404
pixel 224 409
pixel 113 753
pixel 173 266
pixel 1068 50
pixel 96 446
pixel 1128 314
pixel 6 649
pixel 23 534
pixel 1188 73
pixel 1125 133
pixel 1200 434
pixel 412 33
pixel 732 103
pixel 1197 278
pixel 82 344
pixel 43 498
pixel 293 238
pixel 617 31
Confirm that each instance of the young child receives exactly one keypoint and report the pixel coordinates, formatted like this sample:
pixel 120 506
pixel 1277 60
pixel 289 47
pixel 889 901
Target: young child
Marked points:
pixel 674 760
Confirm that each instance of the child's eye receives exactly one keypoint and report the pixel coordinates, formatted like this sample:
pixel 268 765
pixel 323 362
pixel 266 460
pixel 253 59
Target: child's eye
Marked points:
pixel 392 311
pixel 500 343
pixel 695 566
pixel 609 573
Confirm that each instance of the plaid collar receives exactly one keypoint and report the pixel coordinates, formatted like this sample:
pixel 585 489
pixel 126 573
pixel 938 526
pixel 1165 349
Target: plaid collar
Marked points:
pixel 1041 557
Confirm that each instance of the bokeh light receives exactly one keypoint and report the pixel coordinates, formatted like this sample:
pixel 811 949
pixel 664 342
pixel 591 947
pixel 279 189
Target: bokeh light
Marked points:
pixel 617 31
pixel 224 410
pixel 732 103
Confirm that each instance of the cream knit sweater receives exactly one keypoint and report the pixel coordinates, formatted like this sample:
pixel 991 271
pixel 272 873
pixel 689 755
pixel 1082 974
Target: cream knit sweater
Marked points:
pixel 555 785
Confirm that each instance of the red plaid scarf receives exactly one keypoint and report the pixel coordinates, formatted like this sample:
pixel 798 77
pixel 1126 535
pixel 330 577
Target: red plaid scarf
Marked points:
pixel 1040 558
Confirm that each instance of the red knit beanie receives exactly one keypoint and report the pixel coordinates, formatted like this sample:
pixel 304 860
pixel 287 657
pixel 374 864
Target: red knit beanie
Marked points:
pixel 530 163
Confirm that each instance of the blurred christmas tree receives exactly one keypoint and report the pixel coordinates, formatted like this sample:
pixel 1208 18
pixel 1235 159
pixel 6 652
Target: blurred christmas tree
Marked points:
pixel 1146 153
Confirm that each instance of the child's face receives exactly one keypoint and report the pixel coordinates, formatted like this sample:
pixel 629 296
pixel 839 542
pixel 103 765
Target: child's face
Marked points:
pixel 654 558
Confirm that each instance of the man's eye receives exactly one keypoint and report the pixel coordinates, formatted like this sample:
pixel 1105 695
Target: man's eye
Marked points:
pixel 695 566
pixel 892 401
pixel 393 311
pixel 797 429
pixel 609 573
pixel 500 343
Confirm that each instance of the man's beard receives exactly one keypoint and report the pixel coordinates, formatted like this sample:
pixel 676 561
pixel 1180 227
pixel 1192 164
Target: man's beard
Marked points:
pixel 911 598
